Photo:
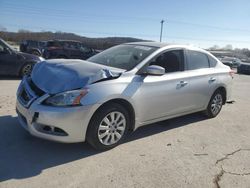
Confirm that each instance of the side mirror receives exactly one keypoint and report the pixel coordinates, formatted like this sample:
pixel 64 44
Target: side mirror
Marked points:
pixel 155 70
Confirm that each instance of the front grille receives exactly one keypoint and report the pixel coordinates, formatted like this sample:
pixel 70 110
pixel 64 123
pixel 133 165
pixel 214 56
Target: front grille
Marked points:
pixel 25 96
pixel 28 92
pixel 36 89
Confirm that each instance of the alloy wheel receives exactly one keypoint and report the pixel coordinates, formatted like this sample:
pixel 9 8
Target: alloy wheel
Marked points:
pixel 112 128
pixel 216 104
pixel 26 69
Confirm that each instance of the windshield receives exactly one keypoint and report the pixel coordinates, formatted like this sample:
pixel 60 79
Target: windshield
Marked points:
pixel 7 45
pixel 125 56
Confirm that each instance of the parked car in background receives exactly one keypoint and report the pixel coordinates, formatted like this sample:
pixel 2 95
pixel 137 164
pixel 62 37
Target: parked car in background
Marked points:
pixel 243 68
pixel 231 61
pixel 119 90
pixel 32 47
pixel 14 63
pixel 67 49
pixel 228 63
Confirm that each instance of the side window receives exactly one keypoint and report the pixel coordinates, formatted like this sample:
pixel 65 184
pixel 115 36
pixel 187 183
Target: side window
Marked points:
pixel 84 49
pixel 1 48
pixel 212 61
pixel 72 45
pixel 197 60
pixel 172 61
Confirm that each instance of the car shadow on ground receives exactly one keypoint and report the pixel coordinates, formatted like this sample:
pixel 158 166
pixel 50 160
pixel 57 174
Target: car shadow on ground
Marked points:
pixel 10 78
pixel 23 156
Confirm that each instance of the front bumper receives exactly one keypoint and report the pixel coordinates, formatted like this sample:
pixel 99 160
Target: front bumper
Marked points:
pixel 72 122
pixel 62 124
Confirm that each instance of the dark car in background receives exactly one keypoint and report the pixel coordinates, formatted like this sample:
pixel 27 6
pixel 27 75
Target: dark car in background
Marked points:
pixel 243 68
pixel 228 63
pixel 14 63
pixel 67 49
pixel 233 62
pixel 32 47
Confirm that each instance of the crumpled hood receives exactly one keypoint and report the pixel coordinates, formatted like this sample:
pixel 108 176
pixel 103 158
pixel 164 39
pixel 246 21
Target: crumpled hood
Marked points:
pixel 59 75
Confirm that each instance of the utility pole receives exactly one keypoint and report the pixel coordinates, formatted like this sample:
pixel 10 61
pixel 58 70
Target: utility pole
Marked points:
pixel 162 21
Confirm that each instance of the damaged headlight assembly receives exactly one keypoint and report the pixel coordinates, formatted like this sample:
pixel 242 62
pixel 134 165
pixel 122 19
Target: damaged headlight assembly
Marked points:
pixel 68 98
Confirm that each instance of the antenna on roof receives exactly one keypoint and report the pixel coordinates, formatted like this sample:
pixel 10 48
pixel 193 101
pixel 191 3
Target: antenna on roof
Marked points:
pixel 162 21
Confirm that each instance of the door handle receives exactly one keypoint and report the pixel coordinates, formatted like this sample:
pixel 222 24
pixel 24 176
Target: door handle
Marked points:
pixel 212 79
pixel 183 83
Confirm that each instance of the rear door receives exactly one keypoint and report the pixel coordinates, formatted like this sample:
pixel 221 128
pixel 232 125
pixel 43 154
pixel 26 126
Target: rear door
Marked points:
pixel 201 79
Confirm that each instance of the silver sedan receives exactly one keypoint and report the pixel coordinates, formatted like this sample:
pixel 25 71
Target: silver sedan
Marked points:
pixel 118 90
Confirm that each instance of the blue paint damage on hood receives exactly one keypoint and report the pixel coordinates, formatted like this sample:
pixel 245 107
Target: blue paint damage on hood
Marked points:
pixel 59 75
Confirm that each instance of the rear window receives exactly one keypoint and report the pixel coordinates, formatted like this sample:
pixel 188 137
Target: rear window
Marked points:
pixel 212 61
pixel 197 60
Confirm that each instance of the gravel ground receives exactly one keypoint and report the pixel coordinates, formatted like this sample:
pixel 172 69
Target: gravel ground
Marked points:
pixel 190 151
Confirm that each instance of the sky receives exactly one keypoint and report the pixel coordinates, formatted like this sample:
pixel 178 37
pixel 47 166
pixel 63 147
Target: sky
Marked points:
pixel 196 22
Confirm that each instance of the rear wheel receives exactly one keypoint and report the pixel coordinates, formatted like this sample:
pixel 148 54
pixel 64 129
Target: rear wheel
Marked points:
pixel 26 69
pixel 215 104
pixel 108 127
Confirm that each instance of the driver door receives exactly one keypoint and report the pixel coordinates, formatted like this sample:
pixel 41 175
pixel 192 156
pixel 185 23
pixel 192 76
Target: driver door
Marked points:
pixel 166 95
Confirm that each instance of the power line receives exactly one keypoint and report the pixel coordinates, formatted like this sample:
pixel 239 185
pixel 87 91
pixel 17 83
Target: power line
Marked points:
pixel 131 34
pixel 61 13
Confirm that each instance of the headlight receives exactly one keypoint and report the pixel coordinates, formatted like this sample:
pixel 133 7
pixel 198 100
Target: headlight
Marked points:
pixel 68 98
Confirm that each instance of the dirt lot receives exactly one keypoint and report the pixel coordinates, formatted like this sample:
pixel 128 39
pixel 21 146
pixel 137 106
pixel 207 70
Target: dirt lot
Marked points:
pixel 190 151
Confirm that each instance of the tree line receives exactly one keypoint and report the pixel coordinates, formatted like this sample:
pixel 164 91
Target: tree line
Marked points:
pixel 96 43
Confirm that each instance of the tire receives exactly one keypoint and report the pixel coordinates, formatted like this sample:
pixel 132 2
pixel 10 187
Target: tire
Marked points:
pixel 26 69
pixel 215 104
pixel 103 133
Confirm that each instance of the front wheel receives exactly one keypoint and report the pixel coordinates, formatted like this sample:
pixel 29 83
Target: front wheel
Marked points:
pixel 215 105
pixel 108 127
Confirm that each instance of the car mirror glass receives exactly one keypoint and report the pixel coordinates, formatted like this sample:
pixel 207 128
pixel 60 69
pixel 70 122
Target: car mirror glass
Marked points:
pixel 155 70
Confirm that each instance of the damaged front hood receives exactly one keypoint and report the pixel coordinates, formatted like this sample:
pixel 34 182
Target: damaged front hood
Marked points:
pixel 59 75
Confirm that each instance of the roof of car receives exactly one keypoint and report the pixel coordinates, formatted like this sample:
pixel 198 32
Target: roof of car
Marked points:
pixel 163 44
pixel 153 44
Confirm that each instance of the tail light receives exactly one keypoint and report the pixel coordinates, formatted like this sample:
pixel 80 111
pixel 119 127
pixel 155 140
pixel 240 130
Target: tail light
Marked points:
pixel 231 73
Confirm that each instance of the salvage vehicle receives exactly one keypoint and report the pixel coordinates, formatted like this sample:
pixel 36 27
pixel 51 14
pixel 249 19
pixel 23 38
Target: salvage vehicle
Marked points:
pixel 118 90
pixel 67 49
pixel 14 63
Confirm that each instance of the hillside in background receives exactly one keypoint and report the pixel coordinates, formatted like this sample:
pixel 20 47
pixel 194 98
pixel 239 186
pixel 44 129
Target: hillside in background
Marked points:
pixel 96 43
pixel 15 38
